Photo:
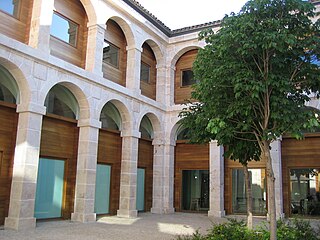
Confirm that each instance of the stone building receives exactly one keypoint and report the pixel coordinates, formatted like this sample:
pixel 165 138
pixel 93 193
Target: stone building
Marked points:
pixel 90 92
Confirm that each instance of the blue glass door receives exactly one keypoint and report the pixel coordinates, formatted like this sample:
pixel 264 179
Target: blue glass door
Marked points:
pixel 102 195
pixel 49 192
pixel 140 189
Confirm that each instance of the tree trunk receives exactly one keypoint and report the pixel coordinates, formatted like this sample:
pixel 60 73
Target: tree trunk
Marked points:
pixel 271 190
pixel 249 196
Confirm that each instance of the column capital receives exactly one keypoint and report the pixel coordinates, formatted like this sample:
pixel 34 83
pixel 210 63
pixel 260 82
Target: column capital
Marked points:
pixel 133 133
pixel 31 107
pixel 89 123
pixel 101 27
pixel 131 48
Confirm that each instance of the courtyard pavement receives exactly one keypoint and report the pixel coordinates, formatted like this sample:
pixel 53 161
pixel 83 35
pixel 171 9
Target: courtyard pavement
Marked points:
pixel 146 226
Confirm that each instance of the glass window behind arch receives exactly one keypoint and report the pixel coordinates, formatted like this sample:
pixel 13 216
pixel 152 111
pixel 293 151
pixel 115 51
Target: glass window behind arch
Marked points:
pixel 64 29
pixel 110 54
pixel 187 78
pixel 10 6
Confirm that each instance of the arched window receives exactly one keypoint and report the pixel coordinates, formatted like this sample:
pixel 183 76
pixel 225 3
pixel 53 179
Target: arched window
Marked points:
pixel 60 101
pixel 110 117
pixel 146 128
pixel 9 91
pixel 182 133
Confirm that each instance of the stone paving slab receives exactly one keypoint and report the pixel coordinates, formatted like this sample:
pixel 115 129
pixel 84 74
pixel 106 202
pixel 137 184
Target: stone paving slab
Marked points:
pixel 146 226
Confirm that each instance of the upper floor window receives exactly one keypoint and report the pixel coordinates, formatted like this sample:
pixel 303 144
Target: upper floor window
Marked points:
pixel 10 6
pixel 187 78
pixel 111 54
pixel 64 29
pixel 145 72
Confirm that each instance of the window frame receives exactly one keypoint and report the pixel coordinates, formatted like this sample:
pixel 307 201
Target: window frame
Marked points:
pixel 118 54
pixel 149 72
pixel 17 16
pixel 181 78
pixel 68 20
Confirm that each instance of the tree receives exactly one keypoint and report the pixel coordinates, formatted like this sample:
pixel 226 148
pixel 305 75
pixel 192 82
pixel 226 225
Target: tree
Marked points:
pixel 256 74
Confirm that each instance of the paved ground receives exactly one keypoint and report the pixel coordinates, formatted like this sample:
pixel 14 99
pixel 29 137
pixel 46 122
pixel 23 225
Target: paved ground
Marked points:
pixel 146 226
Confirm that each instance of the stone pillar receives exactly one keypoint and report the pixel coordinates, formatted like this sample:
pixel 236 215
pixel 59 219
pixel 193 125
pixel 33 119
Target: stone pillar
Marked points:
pixel 128 178
pixel 86 171
pixel 41 20
pixel 133 69
pixel 170 88
pixel 277 169
pixel 216 180
pixel 95 49
pixel 162 199
pixel 161 84
pixel 25 168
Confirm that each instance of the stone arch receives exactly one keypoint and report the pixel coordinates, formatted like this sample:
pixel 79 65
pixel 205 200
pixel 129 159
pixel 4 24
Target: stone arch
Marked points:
pixel 124 113
pixel 22 85
pixel 180 53
pixel 174 131
pixel 91 10
pixel 155 122
pixel 127 30
pixel 82 100
pixel 156 50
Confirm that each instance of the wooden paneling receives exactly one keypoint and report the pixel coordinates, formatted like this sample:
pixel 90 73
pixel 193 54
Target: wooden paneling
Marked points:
pixel 188 157
pixel 145 160
pixel 109 152
pixel 73 10
pixel 185 62
pixel 8 131
pixel 115 36
pixel 297 154
pixel 17 28
pixel 59 140
pixel 147 56
pixel 228 166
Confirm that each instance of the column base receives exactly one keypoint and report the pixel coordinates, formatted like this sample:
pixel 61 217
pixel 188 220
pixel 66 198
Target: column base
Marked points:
pixel 162 210
pixel 280 216
pixel 20 223
pixel 218 214
pixel 127 213
pixel 84 218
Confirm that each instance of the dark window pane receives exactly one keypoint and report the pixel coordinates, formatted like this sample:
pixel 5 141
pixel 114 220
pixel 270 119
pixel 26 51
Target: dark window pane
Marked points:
pixel 111 54
pixel 187 78
pixel 145 73
pixel 10 6
pixel 64 29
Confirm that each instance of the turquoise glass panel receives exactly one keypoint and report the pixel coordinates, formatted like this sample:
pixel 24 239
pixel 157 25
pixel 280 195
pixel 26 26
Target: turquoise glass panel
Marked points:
pixel 140 189
pixel 102 195
pixel 49 191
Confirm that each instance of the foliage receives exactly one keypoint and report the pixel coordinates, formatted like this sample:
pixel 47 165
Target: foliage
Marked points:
pixel 256 74
pixel 233 229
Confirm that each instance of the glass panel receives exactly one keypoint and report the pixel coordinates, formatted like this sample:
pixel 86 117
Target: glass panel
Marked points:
pixel 146 128
pixel 258 187
pixel 6 95
pixel 10 6
pixel 305 191
pixel 145 73
pixel 102 194
pixel 9 91
pixel 111 54
pixel 110 117
pixel 140 189
pixel 64 29
pixel 195 190
pixel 48 203
pixel 187 78
pixel 61 101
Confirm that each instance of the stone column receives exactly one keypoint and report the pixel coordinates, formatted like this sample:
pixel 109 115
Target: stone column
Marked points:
pixel 86 171
pixel 162 200
pixel 128 178
pixel 41 20
pixel 161 84
pixel 216 180
pixel 169 89
pixel 25 168
pixel 133 69
pixel 277 169
pixel 95 48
